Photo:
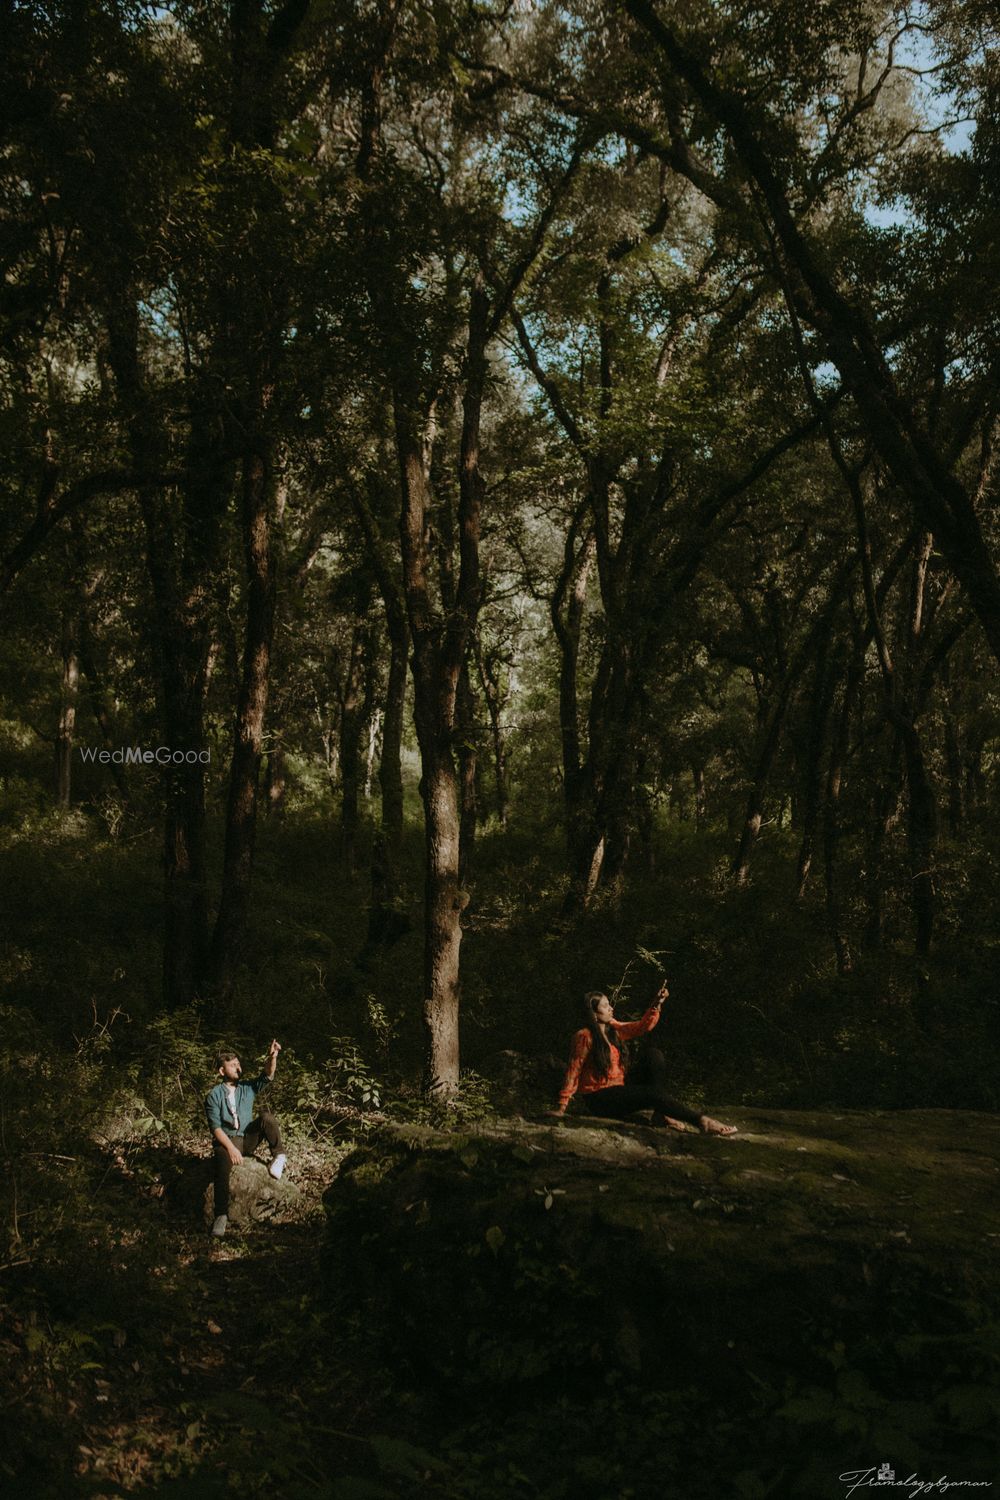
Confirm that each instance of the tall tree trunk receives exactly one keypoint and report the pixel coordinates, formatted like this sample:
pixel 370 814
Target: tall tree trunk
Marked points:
pixel 67 712
pixel 821 702
pixel 495 696
pixel 700 796
pixel 274 781
pixel 251 711
pixel 566 612
pixel 975 781
pixel 435 683
pixel 351 727
pixel 99 706
pixel 468 759
pixel 439 649
pixel 953 763
pixel 884 815
pixel 753 816
pixel 386 923
pixel 92 675
pixel 921 835
pixel 831 809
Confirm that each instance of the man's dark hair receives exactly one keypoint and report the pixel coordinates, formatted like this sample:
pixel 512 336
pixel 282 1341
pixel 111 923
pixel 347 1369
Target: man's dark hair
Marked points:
pixel 224 1057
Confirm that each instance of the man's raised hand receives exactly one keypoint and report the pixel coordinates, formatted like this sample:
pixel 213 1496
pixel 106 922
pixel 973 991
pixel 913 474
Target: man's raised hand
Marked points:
pixel 272 1059
pixel 662 993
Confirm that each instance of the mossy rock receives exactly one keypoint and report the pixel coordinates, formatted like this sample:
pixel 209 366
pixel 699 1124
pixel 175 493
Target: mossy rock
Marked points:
pixel 822 1289
pixel 254 1196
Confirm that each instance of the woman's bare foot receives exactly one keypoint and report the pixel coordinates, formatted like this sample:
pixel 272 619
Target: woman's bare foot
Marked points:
pixel 671 1124
pixel 708 1126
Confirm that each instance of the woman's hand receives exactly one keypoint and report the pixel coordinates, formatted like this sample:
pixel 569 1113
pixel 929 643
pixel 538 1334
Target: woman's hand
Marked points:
pixel 661 994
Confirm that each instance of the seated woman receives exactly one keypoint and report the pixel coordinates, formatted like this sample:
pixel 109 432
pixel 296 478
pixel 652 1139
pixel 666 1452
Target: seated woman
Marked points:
pixel 595 1069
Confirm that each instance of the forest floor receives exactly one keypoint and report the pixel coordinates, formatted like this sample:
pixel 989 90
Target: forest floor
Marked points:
pixel 216 1363
pixel 324 1359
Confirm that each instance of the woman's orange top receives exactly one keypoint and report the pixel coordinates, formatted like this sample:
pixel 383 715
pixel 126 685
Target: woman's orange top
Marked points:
pixel 581 1076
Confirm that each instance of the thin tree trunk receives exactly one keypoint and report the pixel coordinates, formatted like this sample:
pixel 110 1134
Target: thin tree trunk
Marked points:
pixel 351 727
pixel 566 611
pixel 468 757
pixel 490 678
pixel 975 781
pixel 883 818
pixel 821 703
pixel 67 712
pixel 921 836
pixel 274 782
pixel 753 816
pixel 831 809
pixel 386 923
pixel 700 796
pixel 251 711
pixel 953 763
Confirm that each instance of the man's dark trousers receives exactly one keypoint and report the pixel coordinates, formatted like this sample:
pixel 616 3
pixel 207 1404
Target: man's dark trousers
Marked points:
pixel 265 1127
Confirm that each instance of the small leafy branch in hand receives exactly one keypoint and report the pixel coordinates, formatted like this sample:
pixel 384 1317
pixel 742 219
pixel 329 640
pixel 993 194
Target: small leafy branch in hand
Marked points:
pixel 651 956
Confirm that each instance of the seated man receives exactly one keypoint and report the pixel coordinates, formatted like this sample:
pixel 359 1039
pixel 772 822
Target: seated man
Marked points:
pixel 235 1132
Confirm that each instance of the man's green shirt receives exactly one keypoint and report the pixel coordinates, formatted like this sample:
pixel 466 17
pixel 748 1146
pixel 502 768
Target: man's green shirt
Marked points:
pixel 217 1105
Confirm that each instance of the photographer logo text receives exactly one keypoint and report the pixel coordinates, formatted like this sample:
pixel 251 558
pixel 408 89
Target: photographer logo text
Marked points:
pixel 884 1478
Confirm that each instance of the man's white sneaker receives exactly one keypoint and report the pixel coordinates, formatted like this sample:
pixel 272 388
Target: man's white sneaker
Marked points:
pixel 277 1166
pixel 219 1227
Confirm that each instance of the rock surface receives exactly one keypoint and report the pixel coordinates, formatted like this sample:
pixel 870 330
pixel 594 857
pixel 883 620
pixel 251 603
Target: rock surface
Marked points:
pixel 253 1196
pixel 817 1294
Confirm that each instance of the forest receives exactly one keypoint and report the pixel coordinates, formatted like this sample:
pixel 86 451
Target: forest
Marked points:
pixel 499 501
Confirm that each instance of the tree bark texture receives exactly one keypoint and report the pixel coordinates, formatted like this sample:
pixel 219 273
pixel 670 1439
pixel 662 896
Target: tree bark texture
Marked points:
pixel 440 644
pixel 251 711
pixel 68 696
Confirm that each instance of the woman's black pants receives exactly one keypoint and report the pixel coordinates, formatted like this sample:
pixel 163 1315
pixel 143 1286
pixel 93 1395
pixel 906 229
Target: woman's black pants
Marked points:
pixel 618 1102
pixel 263 1126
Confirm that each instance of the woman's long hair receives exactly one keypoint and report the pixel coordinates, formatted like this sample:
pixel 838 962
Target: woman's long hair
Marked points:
pixel 600 1047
